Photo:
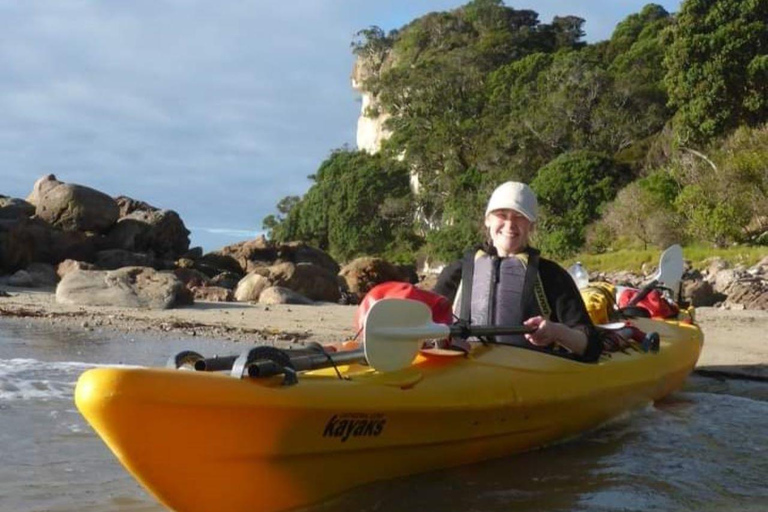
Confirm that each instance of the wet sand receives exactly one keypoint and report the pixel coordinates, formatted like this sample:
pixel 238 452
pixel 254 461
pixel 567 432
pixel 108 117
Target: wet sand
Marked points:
pixel 736 342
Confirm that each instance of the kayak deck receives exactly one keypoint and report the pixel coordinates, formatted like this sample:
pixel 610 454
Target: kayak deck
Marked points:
pixel 206 441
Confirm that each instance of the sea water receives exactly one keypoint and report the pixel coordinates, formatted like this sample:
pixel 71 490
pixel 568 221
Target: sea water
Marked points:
pixel 705 448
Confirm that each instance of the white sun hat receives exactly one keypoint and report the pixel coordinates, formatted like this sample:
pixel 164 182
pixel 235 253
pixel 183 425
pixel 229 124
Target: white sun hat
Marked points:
pixel 513 195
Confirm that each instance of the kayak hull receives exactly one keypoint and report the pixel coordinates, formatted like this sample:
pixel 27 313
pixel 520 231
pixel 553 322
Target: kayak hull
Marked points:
pixel 206 441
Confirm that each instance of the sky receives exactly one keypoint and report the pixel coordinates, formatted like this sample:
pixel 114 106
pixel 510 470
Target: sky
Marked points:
pixel 216 110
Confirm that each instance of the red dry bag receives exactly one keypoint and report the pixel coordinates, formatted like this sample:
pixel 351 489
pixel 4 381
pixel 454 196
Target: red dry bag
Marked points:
pixel 442 312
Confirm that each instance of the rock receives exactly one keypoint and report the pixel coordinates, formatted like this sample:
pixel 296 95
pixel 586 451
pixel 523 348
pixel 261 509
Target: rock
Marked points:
pixel 213 294
pixel 20 279
pixel 43 274
pixel 250 287
pixel 160 232
pixel 213 264
pixel 408 272
pixel 191 278
pixel 73 245
pixel 41 186
pixel 362 274
pixel 194 253
pixel 312 281
pixel 428 281
pixel 226 280
pixel 259 251
pixel 67 266
pixel 299 252
pixel 132 287
pixel 113 259
pixel 715 265
pixel 280 295
pixel 751 293
pixel 700 293
pixel 77 208
pixel 722 279
pixel 12 208
pixel 761 267
pixel 23 241
pixel 126 205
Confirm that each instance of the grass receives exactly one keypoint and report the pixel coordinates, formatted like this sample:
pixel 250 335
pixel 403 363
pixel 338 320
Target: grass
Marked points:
pixel 633 259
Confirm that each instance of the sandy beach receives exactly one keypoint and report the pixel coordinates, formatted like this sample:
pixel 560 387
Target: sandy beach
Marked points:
pixel 736 342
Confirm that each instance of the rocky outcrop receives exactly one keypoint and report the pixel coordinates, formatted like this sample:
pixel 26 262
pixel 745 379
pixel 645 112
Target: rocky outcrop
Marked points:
pixel 132 287
pixel 74 207
pixel 362 274
pixel 150 230
pixel 310 280
pixel 371 130
pixel 250 287
pixel 12 208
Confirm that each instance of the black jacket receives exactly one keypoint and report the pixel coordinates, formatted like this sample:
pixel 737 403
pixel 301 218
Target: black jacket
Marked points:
pixel 562 295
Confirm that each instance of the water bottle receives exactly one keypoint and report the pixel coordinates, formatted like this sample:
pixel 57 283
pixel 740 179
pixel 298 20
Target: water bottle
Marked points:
pixel 579 275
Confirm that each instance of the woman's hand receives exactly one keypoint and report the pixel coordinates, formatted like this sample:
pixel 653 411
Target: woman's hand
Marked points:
pixel 545 333
pixel 548 332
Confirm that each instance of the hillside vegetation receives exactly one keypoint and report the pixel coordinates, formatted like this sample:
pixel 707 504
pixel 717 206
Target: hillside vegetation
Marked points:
pixel 656 135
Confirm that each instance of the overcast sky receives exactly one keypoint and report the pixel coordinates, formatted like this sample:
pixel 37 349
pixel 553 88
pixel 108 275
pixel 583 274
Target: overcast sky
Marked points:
pixel 213 109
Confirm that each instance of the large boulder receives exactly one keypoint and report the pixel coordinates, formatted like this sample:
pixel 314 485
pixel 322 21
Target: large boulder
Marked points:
pixel 75 207
pixel 69 265
pixel 12 208
pixel 41 186
pixel 191 278
pixel 214 263
pixel 362 274
pixel 161 232
pixel 249 253
pixel 131 287
pixel 23 241
pixel 260 252
pixel 226 280
pixel 280 295
pixel 299 252
pixel 250 287
pixel 312 281
pixel 113 259
pixel 213 294
pixel 701 293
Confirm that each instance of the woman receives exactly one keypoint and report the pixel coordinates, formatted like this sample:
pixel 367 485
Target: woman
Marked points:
pixel 506 283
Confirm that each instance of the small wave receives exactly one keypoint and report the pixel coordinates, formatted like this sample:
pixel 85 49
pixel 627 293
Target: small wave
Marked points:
pixel 30 379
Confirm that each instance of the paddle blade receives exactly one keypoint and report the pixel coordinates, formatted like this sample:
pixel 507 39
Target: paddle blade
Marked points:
pixel 671 267
pixel 394 330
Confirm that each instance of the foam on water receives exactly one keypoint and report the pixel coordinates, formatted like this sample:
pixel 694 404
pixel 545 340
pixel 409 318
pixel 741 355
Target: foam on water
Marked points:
pixel 30 379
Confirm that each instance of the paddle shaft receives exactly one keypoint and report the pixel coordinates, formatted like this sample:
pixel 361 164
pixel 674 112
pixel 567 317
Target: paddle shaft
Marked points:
pixel 267 368
pixel 460 331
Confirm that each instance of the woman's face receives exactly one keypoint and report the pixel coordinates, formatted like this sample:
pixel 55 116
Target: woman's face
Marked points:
pixel 509 231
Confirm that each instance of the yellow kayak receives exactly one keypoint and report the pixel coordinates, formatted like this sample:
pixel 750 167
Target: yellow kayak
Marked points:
pixel 201 441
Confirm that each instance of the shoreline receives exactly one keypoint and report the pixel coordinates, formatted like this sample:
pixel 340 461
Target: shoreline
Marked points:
pixel 734 340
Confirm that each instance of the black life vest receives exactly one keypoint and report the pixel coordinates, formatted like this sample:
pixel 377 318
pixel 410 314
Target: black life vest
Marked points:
pixel 493 290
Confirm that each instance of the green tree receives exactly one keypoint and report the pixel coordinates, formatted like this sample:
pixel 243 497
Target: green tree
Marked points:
pixel 358 205
pixel 572 190
pixel 717 66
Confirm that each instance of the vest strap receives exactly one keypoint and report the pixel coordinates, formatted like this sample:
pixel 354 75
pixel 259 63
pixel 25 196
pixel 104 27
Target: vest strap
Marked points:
pixel 467 274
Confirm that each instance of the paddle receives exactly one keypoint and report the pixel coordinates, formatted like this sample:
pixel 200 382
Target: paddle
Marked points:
pixel 393 334
pixel 395 329
pixel 671 267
